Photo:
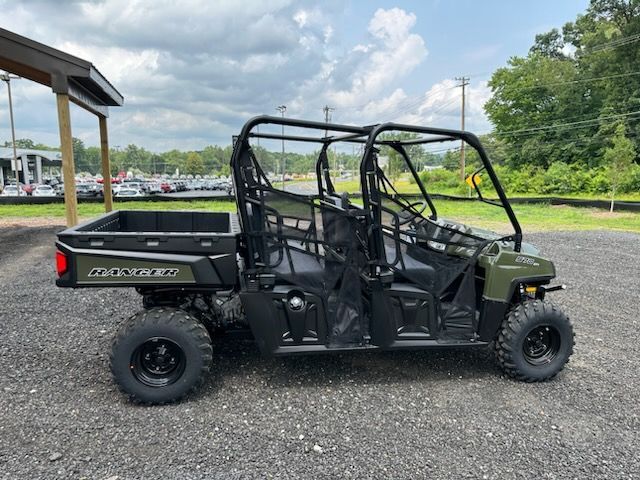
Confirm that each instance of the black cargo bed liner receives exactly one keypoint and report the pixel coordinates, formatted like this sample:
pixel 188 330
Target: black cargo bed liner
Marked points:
pixel 207 233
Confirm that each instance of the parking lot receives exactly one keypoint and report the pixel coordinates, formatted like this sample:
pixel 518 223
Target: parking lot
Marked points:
pixel 442 414
pixel 91 187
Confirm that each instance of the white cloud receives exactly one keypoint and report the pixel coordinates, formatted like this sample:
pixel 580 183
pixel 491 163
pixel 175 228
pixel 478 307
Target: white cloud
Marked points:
pixel 392 26
pixel 392 54
pixel 439 106
pixel 192 72
pixel 300 18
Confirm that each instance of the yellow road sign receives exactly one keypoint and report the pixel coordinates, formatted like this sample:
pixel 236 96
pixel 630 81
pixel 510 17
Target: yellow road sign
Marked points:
pixel 476 178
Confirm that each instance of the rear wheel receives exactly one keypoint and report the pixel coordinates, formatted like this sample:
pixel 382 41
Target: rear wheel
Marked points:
pixel 159 355
pixel 535 341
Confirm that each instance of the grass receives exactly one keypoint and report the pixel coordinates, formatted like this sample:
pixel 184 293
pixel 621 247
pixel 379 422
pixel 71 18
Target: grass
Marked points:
pixel 88 210
pixel 538 217
pixel 404 186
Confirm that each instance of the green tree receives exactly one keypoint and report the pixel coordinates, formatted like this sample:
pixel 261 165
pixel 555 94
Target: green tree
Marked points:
pixel 93 159
pixel 79 156
pixel 173 159
pixel 397 164
pixel 551 106
pixel 529 96
pixel 21 143
pixel 137 158
pixel 549 45
pixel 618 158
pixel 194 164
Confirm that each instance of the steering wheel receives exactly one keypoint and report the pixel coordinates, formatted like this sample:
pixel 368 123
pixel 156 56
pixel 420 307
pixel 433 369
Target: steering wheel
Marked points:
pixel 407 217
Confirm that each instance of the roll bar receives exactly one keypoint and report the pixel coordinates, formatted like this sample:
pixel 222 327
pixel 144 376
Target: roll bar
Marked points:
pixel 367 166
pixel 367 135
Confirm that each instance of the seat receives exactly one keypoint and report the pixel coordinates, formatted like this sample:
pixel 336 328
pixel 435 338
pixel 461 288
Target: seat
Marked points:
pixel 414 269
pixel 304 264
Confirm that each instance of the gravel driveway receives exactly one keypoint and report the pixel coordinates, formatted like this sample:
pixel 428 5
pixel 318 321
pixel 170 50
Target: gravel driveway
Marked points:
pixel 442 414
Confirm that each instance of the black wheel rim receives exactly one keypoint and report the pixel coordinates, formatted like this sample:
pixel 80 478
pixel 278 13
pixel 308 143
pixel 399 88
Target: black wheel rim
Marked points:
pixel 541 345
pixel 158 362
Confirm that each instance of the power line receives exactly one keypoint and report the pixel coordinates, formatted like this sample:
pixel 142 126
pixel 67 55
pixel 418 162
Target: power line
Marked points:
pixel 445 105
pixel 568 82
pixel 560 125
pixel 595 141
pixel 604 110
pixel 421 99
pixel 618 42
pixel 405 103
pixel 580 140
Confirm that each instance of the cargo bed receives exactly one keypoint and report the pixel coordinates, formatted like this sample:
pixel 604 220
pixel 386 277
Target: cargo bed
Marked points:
pixel 124 248
pixel 169 231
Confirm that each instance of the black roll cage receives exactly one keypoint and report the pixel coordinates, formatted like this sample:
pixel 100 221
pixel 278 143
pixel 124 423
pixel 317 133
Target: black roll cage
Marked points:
pixel 368 167
pixel 367 136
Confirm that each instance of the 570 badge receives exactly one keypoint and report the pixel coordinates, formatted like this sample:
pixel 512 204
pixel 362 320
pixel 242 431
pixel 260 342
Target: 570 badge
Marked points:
pixel 526 261
pixel 100 272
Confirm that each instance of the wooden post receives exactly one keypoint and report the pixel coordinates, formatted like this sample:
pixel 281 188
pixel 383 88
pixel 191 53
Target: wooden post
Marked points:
pixel 106 165
pixel 68 167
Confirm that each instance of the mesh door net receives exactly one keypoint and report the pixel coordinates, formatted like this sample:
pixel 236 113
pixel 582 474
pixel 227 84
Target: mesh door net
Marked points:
pixel 315 247
pixel 435 256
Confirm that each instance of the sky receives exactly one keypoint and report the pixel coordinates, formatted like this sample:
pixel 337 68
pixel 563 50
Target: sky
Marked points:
pixel 192 72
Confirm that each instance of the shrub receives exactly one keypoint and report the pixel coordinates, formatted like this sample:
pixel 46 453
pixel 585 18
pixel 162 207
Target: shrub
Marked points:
pixel 439 179
pixel 631 184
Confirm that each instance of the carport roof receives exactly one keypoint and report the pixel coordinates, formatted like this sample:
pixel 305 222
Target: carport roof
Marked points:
pixel 64 73
pixel 6 153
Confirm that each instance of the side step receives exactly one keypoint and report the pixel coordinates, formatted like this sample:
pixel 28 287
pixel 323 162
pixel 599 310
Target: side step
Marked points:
pixel 397 345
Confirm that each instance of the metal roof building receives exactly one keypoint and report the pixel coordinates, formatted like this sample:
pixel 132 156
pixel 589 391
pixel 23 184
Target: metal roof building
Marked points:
pixel 29 160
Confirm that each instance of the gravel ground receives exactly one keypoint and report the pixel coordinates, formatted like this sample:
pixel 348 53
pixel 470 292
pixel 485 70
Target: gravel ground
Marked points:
pixel 440 414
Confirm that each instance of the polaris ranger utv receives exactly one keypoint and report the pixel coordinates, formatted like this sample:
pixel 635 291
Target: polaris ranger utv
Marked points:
pixel 319 272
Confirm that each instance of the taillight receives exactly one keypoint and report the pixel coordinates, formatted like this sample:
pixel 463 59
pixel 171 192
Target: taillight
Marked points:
pixel 61 263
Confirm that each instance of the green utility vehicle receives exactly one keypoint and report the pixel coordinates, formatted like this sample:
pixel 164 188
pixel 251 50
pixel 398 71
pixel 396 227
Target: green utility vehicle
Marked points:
pixel 318 271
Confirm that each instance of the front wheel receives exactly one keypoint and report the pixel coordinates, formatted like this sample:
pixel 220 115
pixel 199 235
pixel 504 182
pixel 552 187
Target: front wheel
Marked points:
pixel 535 341
pixel 160 355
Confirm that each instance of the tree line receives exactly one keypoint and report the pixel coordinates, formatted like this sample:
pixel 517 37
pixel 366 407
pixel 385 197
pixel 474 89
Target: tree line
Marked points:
pixel 572 105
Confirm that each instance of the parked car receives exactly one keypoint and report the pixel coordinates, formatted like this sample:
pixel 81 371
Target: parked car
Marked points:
pixel 44 191
pixel 88 189
pixel 152 188
pixel 12 191
pixel 129 192
pixel 134 185
pixel 167 187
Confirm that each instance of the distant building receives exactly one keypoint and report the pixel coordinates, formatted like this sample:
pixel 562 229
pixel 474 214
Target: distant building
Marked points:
pixel 30 162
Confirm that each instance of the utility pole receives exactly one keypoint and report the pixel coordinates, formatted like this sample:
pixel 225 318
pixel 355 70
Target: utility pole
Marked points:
pixel 464 81
pixel 7 78
pixel 327 117
pixel 282 109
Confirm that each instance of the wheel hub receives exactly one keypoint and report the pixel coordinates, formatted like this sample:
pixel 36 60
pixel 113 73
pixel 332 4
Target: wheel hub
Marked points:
pixel 158 362
pixel 541 345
